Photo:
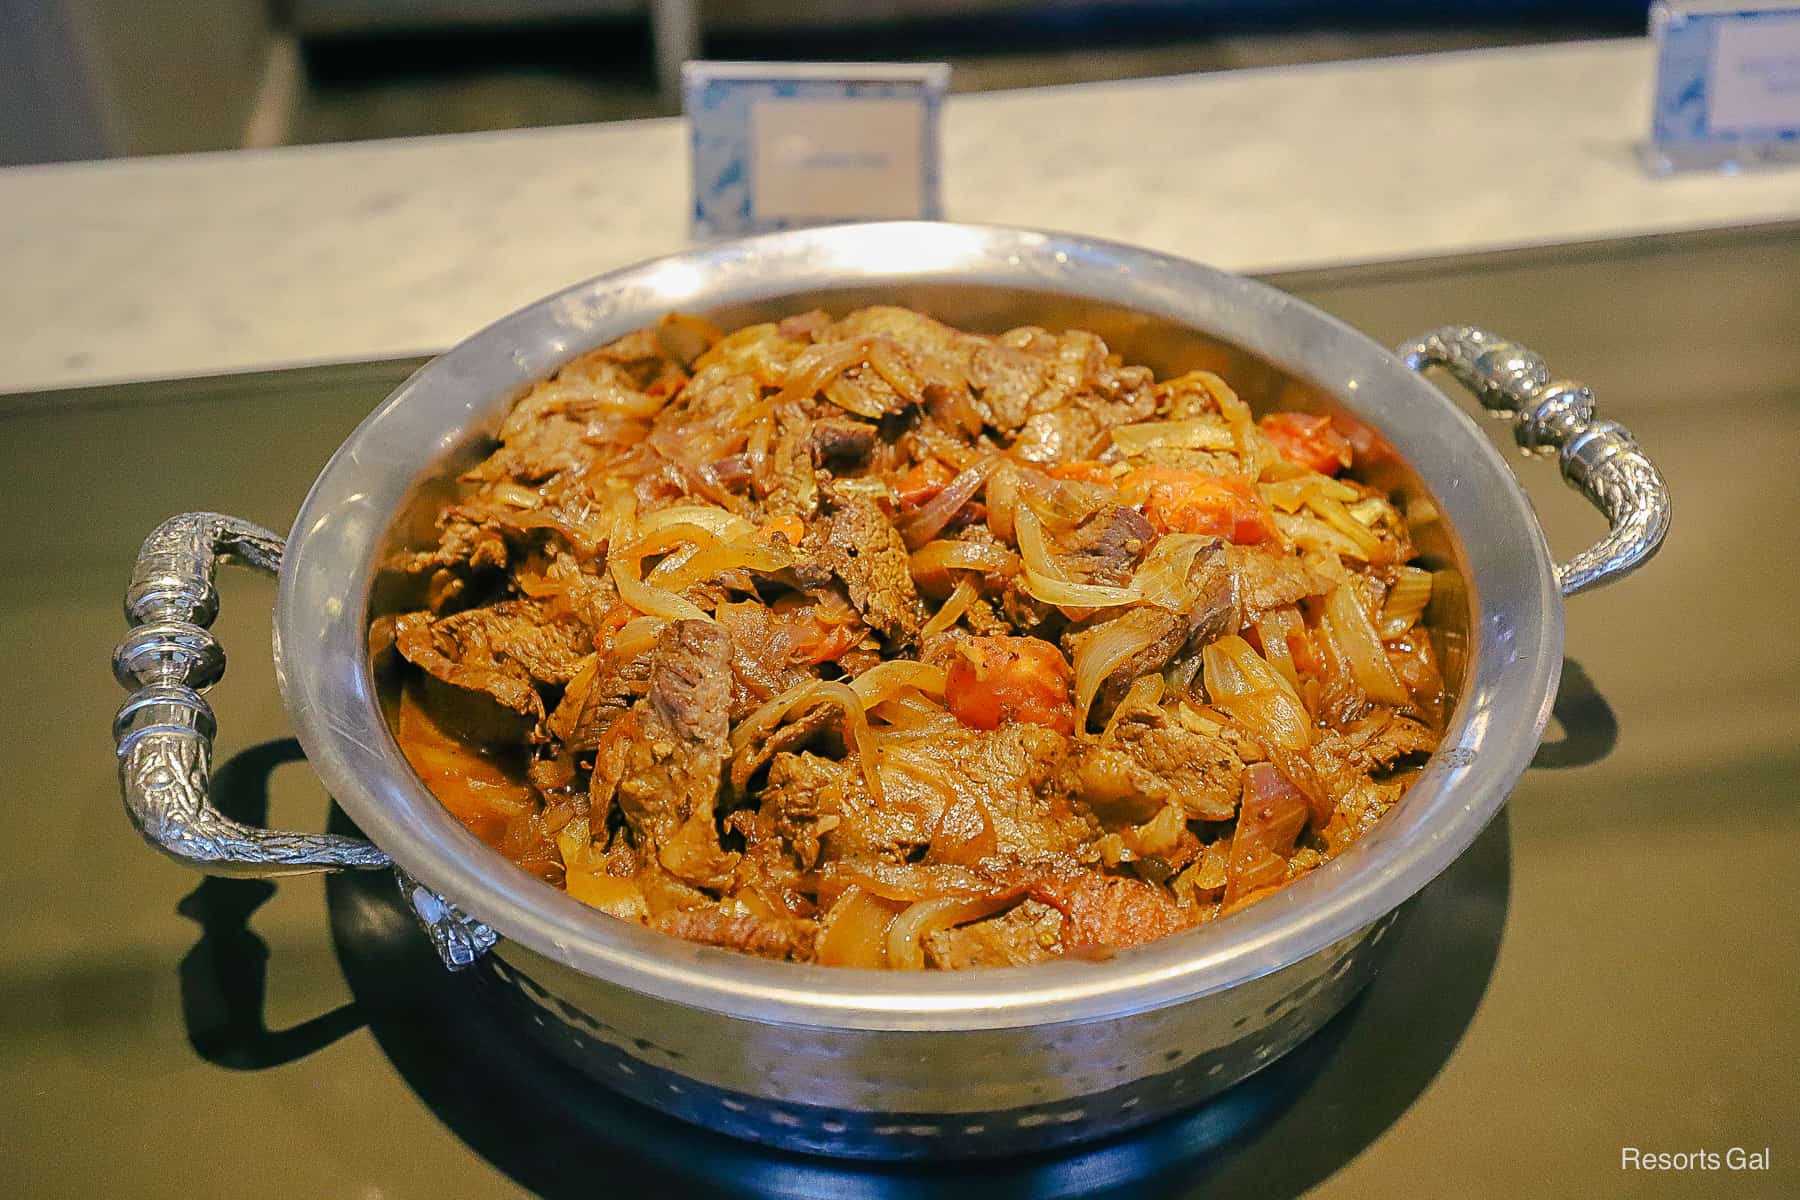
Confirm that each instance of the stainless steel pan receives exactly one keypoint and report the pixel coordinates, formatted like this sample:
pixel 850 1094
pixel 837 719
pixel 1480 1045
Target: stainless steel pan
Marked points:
pixel 870 1063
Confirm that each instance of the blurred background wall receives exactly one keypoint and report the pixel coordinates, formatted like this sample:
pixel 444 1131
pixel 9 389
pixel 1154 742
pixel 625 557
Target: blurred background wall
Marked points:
pixel 99 78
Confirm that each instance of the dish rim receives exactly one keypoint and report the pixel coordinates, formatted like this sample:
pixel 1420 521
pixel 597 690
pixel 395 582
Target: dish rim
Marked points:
pixel 1513 663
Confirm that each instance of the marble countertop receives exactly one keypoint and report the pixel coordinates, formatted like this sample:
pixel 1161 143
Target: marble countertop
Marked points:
pixel 203 264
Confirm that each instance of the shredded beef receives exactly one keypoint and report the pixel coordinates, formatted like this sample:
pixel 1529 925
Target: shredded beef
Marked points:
pixel 596 697
pixel 837 441
pixel 1108 912
pixel 860 547
pixel 504 650
pixel 806 788
pixel 762 936
pixel 1148 759
pixel 1107 545
pixel 578 666
pixel 1028 932
pixel 786 483
pixel 1267 579
pixel 666 777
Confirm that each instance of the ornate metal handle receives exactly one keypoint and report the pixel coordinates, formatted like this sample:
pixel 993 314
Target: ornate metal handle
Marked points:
pixel 164 731
pixel 1600 459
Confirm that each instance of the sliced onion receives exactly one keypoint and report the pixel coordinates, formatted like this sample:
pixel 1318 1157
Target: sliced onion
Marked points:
pixel 674 560
pixel 1076 595
pixel 856 928
pixel 1339 518
pixel 912 713
pixel 952 609
pixel 743 350
pixel 575 844
pixel 1146 691
pixel 1309 533
pixel 1237 415
pixel 666 538
pixel 561 721
pixel 855 398
pixel 1405 603
pixel 1256 696
pixel 516 495
pixel 617 897
pixel 1273 630
pixel 930 520
pixel 1033 549
pixel 1195 433
pixel 1002 500
pixel 1162 579
pixel 865 485
pixel 1289 494
pixel 1064 503
pixel 1240 681
pixel 570 390
pixel 908 882
pixel 714 520
pixel 1100 654
pixel 890 363
pixel 652 600
pixel 635 636
pixel 818 365
pixel 932 562
pixel 1046 580
pixel 886 680
pixel 1363 652
pixel 764 555
pixel 809 692
pixel 1271 816
pixel 1180 392
pixel 907 934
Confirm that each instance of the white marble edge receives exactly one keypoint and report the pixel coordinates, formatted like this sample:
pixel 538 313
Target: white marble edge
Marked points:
pixel 209 264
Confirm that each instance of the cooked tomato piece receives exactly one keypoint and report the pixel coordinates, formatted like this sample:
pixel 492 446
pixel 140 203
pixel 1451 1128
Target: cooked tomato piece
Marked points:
pixel 1179 501
pixel 1086 470
pixel 816 632
pixel 790 527
pixel 1306 658
pixel 614 620
pixel 993 680
pixel 667 385
pixel 921 482
pixel 1307 441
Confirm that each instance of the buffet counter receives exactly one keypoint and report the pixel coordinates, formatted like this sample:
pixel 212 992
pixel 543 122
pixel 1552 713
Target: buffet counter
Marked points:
pixel 241 261
pixel 1608 968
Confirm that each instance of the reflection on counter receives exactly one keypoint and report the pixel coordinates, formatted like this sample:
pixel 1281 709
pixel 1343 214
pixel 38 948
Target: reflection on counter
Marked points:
pixel 545 1126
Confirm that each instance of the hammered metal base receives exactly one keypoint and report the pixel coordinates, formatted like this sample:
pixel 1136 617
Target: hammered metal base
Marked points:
pixel 654 1073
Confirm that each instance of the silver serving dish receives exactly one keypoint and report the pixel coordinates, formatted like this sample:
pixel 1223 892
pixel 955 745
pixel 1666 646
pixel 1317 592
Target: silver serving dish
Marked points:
pixel 865 1063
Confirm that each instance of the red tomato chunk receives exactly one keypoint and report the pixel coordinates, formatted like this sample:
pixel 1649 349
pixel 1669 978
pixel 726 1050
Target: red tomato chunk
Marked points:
pixel 993 680
pixel 1307 441
pixel 1182 501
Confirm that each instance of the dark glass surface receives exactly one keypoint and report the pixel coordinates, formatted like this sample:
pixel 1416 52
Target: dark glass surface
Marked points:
pixel 1611 965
